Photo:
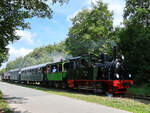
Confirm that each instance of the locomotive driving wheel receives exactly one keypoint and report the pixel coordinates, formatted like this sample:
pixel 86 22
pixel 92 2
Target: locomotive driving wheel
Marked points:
pixel 64 85
pixel 109 94
pixel 106 90
pixel 56 85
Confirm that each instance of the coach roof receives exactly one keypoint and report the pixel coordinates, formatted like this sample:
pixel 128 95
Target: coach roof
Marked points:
pixel 34 67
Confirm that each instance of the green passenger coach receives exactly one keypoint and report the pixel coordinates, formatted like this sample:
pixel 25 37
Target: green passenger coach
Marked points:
pixel 33 73
pixel 57 74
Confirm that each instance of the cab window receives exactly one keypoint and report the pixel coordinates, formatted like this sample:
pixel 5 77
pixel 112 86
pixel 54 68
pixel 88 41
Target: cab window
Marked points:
pixel 66 66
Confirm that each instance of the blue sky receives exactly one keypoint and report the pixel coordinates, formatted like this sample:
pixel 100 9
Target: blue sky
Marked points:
pixel 45 31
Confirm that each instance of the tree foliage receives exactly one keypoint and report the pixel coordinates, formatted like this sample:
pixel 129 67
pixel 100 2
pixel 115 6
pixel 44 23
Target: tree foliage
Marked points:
pixel 2 71
pixel 91 31
pixel 135 39
pixel 50 53
pixel 12 17
pixel 137 12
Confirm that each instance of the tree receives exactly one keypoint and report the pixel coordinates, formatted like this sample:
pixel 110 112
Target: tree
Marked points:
pixel 2 71
pixel 12 17
pixel 49 53
pixel 135 39
pixel 137 12
pixel 91 31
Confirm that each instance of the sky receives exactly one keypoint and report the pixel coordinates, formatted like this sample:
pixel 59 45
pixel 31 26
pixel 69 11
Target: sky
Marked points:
pixel 50 31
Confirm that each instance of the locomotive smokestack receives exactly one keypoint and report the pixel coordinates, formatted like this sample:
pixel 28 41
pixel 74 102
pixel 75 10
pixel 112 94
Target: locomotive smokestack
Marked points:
pixel 115 52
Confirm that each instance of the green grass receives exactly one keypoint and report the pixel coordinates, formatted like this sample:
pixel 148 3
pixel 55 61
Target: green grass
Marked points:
pixel 135 106
pixel 140 90
pixel 3 105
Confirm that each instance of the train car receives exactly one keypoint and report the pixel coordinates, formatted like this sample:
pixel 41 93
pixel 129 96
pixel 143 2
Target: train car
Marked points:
pixel 33 74
pixel 6 76
pixel 57 74
pixel 2 76
pixel 92 73
pixel 15 75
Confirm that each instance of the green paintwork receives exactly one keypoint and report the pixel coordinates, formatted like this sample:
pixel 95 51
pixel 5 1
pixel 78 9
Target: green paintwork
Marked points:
pixel 58 76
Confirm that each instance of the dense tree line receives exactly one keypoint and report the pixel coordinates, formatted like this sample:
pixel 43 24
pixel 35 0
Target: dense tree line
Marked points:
pixel 49 53
pixel 92 31
pixel 135 39
pixel 12 17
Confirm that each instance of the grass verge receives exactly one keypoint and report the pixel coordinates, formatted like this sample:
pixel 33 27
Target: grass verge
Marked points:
pixel 3 105
pixel 135 106
pixel 143 90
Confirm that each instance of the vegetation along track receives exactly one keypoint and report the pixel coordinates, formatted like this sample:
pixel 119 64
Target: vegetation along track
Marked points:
pixel 131 96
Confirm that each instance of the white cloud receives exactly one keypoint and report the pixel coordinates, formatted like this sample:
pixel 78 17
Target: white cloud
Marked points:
pixel 14 53
pixel 26 36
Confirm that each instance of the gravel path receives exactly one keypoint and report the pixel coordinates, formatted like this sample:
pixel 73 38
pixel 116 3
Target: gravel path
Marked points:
pixel 27 100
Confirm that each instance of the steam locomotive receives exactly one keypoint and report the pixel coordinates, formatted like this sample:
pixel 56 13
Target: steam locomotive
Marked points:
pixel 87 71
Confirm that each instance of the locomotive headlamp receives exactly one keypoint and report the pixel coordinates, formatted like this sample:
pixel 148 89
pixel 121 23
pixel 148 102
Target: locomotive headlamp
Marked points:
pixel 130 75
pixel 117 75
pixel 122 57
pixel 117 65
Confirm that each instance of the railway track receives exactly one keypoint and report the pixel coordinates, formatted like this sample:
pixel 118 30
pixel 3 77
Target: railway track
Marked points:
pixel 131 96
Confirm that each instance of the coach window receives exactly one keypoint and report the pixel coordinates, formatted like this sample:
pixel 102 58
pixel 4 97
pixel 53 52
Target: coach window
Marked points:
pixel 39 70
pixel 36 70
pixel 60 67
pixel 48 69
pixel 32 71
pixel 74 65
pixel 54 68
pixel 71 64
pixel 66 66
pixel 83 63
pixel 77 63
